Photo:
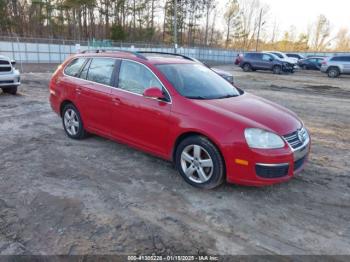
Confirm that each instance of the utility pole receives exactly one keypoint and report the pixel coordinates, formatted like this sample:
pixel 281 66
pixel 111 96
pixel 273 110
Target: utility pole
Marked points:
pixel 175 26
pixel 257 39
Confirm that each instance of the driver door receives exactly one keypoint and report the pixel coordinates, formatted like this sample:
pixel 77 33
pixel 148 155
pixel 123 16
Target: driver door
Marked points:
pixel 136 119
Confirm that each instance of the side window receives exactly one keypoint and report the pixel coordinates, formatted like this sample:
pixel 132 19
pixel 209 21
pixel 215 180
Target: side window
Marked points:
pixel 266 57
pixel 258 57
pixel 101 70
pixel 337 59
pixel 73 69
pixel 136 78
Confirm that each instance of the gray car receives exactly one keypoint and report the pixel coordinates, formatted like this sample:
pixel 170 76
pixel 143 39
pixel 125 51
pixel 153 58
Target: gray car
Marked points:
pixel 265 61
pixel 9 76
pixel 336 66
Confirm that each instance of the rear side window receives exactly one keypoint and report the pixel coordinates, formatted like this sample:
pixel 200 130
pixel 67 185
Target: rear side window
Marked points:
pixel 101 70
pixel 341 59
pixel 73 69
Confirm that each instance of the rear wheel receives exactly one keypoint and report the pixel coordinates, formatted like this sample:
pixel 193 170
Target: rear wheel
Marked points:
pixel 333 72
pixel 277 70
pixel 247 68
pixel 10 90
pixel 72 123
pixel 200 163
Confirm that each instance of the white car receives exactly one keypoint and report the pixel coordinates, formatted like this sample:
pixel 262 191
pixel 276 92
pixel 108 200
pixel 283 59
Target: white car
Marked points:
pixel 9 76
pixel 284 57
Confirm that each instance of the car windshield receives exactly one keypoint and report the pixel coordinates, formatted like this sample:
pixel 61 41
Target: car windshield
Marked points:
pixel 279 55
pixel 196 81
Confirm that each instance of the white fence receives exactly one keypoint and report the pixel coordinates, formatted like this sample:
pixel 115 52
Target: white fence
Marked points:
pixel 39 52
pixel 36 50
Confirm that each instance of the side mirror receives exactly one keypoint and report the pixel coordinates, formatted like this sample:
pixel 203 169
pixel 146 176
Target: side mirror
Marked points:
pixel 271 59
pixel 13 62
pixel 154 92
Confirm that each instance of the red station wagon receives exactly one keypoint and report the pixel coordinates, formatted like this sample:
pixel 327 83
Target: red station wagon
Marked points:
pixel 183 112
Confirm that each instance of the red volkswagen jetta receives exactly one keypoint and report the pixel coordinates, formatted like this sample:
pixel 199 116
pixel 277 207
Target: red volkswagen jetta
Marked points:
pixel 181 111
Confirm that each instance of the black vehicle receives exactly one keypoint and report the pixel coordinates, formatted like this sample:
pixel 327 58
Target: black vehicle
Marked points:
pixel 265 61
pixel 297 56
pixel 312 63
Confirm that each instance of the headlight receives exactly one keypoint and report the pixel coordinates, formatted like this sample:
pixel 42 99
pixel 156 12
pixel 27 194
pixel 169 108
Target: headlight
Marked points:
pixel 261 139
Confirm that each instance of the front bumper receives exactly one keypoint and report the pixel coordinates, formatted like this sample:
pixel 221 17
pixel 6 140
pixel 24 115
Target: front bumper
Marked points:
pixel 10 79
pixel 264 167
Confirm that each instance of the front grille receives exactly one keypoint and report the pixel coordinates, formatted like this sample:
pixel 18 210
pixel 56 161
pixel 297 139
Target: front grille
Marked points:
pixel 297 138
pixel 5 69
pixel 299 163
pixel 6 82
pixel 4 62
pixel 266 171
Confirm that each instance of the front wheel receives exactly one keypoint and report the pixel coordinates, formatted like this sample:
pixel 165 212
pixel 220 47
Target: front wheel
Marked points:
pixel 10 90
pixel 200 163
pixel 277 70
pixel 72 123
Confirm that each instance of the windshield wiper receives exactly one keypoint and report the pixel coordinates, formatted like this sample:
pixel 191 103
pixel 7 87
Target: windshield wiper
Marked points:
pixel 227 96
pixel 197 97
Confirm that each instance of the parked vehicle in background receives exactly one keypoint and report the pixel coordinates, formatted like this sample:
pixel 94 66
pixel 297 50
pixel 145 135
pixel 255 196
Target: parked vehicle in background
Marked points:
pixel 9 75
pixel 224 74
pixel 313 63
pixel 265 61
pixel 297 56
pixel 181 111
pixel 284 57
pixel 336 66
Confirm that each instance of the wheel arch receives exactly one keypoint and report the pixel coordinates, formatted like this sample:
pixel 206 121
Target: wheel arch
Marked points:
pixel 64 103
pixel 187 134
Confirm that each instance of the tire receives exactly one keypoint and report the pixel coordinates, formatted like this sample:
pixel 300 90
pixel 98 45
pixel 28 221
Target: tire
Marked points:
pixel 10 90
pixel 333 72
pixel 247 68
pixel 72 122
pixel 277 70
pixel 202 162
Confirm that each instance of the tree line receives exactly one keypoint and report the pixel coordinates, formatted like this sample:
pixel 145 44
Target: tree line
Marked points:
pixel 238 24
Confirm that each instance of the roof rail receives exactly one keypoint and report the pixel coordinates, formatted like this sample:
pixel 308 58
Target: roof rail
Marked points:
pixel 137 54
pixel 170 54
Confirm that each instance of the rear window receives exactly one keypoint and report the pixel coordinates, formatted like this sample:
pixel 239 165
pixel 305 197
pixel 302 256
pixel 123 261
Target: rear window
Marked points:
pixel 74 67
pixel 101 70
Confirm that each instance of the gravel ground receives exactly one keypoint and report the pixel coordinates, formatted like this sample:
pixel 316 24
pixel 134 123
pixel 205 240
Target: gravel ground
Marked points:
pixel 59 196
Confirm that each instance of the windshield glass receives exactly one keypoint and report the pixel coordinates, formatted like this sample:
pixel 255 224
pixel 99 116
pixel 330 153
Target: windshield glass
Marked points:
pixel 197 81
pixel 278 54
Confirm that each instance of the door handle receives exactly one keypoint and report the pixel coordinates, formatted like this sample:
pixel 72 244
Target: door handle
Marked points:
pixel 78 90
pixel 116 101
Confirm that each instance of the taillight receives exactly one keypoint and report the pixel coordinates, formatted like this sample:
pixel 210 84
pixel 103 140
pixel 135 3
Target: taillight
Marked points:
pixel 324 63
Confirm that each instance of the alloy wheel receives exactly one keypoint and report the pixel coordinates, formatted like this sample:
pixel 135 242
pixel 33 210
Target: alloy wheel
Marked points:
pixel 71 122
pixel 197 164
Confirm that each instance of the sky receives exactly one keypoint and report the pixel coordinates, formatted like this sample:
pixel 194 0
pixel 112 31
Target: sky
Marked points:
pixel 302 13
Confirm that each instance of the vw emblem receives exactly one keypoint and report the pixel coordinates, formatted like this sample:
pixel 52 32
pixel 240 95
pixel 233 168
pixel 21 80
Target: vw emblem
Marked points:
pixel 301 136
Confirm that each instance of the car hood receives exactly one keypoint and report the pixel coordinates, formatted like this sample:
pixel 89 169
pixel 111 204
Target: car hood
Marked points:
pixel 255 112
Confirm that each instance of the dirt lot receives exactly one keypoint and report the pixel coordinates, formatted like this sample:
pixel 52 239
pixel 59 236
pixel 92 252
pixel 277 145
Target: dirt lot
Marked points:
pixel 59 196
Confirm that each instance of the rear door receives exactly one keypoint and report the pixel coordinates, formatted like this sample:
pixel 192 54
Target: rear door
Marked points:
pixel 95 94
